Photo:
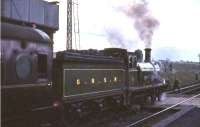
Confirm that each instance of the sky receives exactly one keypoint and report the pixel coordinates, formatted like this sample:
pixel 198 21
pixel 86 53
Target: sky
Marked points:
pixel 177 37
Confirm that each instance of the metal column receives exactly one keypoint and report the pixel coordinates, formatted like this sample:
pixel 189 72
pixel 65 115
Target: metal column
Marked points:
pixel 73 32
pixel 69 25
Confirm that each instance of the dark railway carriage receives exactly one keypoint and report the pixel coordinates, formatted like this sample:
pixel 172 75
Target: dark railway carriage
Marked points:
pixel 27 56
pixel 26 65
pixel 90 77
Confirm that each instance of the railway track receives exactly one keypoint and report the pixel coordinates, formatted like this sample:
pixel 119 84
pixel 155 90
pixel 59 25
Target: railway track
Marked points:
pixel 125 118
pixel 145 117
pixel 189 89
pixel 145 121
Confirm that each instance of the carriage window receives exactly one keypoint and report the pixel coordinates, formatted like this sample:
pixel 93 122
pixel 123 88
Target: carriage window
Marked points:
pixel 42 65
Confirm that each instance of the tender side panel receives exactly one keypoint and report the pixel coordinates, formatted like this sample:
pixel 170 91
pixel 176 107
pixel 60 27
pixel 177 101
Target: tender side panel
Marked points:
pixel 92 80
pixel 83 76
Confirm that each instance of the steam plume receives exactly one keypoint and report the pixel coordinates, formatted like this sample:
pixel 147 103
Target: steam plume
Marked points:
pixel 115 37
pixel 145 23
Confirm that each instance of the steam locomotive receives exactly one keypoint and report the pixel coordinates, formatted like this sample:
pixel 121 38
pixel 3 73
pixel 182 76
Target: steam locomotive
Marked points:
pixel 36 87
pixel 89 80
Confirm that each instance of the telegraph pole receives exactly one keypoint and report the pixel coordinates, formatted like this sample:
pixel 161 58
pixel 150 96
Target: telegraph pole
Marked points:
pixel 73 32
pixel 69 25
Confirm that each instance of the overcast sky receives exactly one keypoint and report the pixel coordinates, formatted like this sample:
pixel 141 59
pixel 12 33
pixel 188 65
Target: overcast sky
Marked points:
pixel 177 37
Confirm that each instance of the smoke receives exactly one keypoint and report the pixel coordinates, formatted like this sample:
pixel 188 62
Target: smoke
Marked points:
pixel 144 22
pixel 119 38
pixel 130 22
pixel 115 37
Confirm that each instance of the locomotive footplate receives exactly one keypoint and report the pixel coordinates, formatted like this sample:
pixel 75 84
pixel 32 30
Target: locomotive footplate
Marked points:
pixel 147 87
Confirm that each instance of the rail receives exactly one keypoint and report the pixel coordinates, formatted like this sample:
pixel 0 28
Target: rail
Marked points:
pixel 184 89
pixel 160 112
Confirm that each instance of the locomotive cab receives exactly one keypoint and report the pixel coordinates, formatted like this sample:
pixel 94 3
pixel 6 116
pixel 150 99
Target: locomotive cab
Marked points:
pixel 145 73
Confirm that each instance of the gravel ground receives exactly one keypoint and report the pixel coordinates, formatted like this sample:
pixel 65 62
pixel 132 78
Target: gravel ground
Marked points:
pixel 120 118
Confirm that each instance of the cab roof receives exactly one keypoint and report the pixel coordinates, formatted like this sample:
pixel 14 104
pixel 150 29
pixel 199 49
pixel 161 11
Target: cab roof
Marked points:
pixel 12 31
pixel 145 66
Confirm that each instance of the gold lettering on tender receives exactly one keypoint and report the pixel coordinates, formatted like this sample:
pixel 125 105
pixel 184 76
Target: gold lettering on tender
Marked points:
pixel 115 79
pixel 104 79
pixel 92 80
pixel 78 82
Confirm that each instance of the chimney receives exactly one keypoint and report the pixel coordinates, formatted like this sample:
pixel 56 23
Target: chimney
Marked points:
pixel 147 55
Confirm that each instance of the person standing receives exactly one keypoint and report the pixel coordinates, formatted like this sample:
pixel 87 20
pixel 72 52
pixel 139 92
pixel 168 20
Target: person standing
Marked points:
pixel 176 84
